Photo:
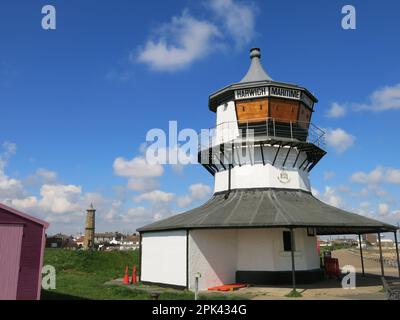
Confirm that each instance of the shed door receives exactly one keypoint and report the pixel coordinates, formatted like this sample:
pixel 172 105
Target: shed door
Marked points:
pixel 10 252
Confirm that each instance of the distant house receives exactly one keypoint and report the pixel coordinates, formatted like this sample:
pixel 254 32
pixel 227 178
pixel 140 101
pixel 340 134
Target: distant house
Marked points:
pixel 53 242
pixel 131 240
pixel 370 238
pixel 107 237
pixel 22 242
pixel 363 244
pixel 324 243
pixel 79 241
pixel 386 243
pixel 60 240
pixel 345 241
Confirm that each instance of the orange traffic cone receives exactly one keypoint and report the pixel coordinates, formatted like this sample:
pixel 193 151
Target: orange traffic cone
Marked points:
pixel 126 277
pixel 133 281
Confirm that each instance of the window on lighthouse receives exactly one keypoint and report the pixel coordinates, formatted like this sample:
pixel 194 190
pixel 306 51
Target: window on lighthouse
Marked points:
pixel 287 241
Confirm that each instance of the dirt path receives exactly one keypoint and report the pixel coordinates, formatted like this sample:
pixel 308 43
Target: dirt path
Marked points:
pixel 347 257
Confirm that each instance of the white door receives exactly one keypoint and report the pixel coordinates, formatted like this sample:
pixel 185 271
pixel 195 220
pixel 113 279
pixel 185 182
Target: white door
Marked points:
pixel 10 252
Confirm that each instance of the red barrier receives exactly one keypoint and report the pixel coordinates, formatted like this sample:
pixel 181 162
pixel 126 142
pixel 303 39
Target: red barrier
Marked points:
pixel 332 267
pixel 134 278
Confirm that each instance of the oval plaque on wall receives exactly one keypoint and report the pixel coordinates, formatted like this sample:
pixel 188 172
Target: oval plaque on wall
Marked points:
pixel 283 177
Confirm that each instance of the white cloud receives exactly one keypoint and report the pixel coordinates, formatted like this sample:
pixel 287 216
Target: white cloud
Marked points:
pixel 135 215
pixel 330 196
pixel 197 191
pixel 26 203
pixel 10 149
pixel 64 205
pixel 177 156
pixel 365 205
pixel 10 188
pixel 336 111
pixel 140 216
pixel 386 98
pixel 155 196
pixel 392 176
pixel 142 185
pixel 185 39
pixel 339 140
pixel 47 175
pixel 60 199
pixel 60 204
pixel 179 43
pixel 138 167
pixel 184 201
pixel 238 19
pixel 377 176
pixel 42 176
pixel 140 172
pixel 373 177
pixel 112 212
pixel 328 175
pixel 383 209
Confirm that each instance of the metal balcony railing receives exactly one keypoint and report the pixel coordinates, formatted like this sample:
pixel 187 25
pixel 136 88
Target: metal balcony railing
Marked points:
pixel 259 129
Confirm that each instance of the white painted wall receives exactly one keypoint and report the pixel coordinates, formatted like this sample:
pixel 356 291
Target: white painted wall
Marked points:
pixel 256 249
pixel 262 250
pixel 213 253
pixel 226 126
pixel 164 257
pixel 256 175
pixel 218 254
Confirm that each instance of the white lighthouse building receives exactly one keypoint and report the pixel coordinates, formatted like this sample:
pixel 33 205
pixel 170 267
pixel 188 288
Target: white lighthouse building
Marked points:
pixel 261 224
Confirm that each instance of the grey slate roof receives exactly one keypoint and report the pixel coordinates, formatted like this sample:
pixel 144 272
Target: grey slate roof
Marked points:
pixel 270 208
pixel 256 71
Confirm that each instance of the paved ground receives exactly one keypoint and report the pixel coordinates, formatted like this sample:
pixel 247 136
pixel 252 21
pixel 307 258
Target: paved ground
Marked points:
pixel 367 288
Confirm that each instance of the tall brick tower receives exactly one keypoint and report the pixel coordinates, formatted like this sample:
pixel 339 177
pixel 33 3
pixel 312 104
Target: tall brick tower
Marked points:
pixel 90 227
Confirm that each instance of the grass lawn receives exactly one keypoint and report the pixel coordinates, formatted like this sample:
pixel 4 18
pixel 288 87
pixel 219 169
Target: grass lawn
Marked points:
pixel 83 274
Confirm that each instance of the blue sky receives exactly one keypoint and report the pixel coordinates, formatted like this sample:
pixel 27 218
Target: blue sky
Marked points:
pixel 77 98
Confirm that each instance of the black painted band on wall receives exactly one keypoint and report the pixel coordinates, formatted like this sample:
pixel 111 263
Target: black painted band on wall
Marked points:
pixel 279 277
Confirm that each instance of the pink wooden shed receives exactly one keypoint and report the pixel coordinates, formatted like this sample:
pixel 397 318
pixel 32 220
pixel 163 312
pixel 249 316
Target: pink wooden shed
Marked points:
pixel 22 242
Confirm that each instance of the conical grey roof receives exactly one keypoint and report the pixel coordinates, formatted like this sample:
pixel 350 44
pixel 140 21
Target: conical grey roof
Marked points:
pixel 256 71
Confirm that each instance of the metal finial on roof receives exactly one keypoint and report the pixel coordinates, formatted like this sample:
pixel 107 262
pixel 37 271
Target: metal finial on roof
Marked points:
pixel 91 208
pixel 256 71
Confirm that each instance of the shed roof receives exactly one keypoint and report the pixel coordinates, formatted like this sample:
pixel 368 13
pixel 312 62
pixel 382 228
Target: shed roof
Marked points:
pixel 270 208
pixel 24 215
